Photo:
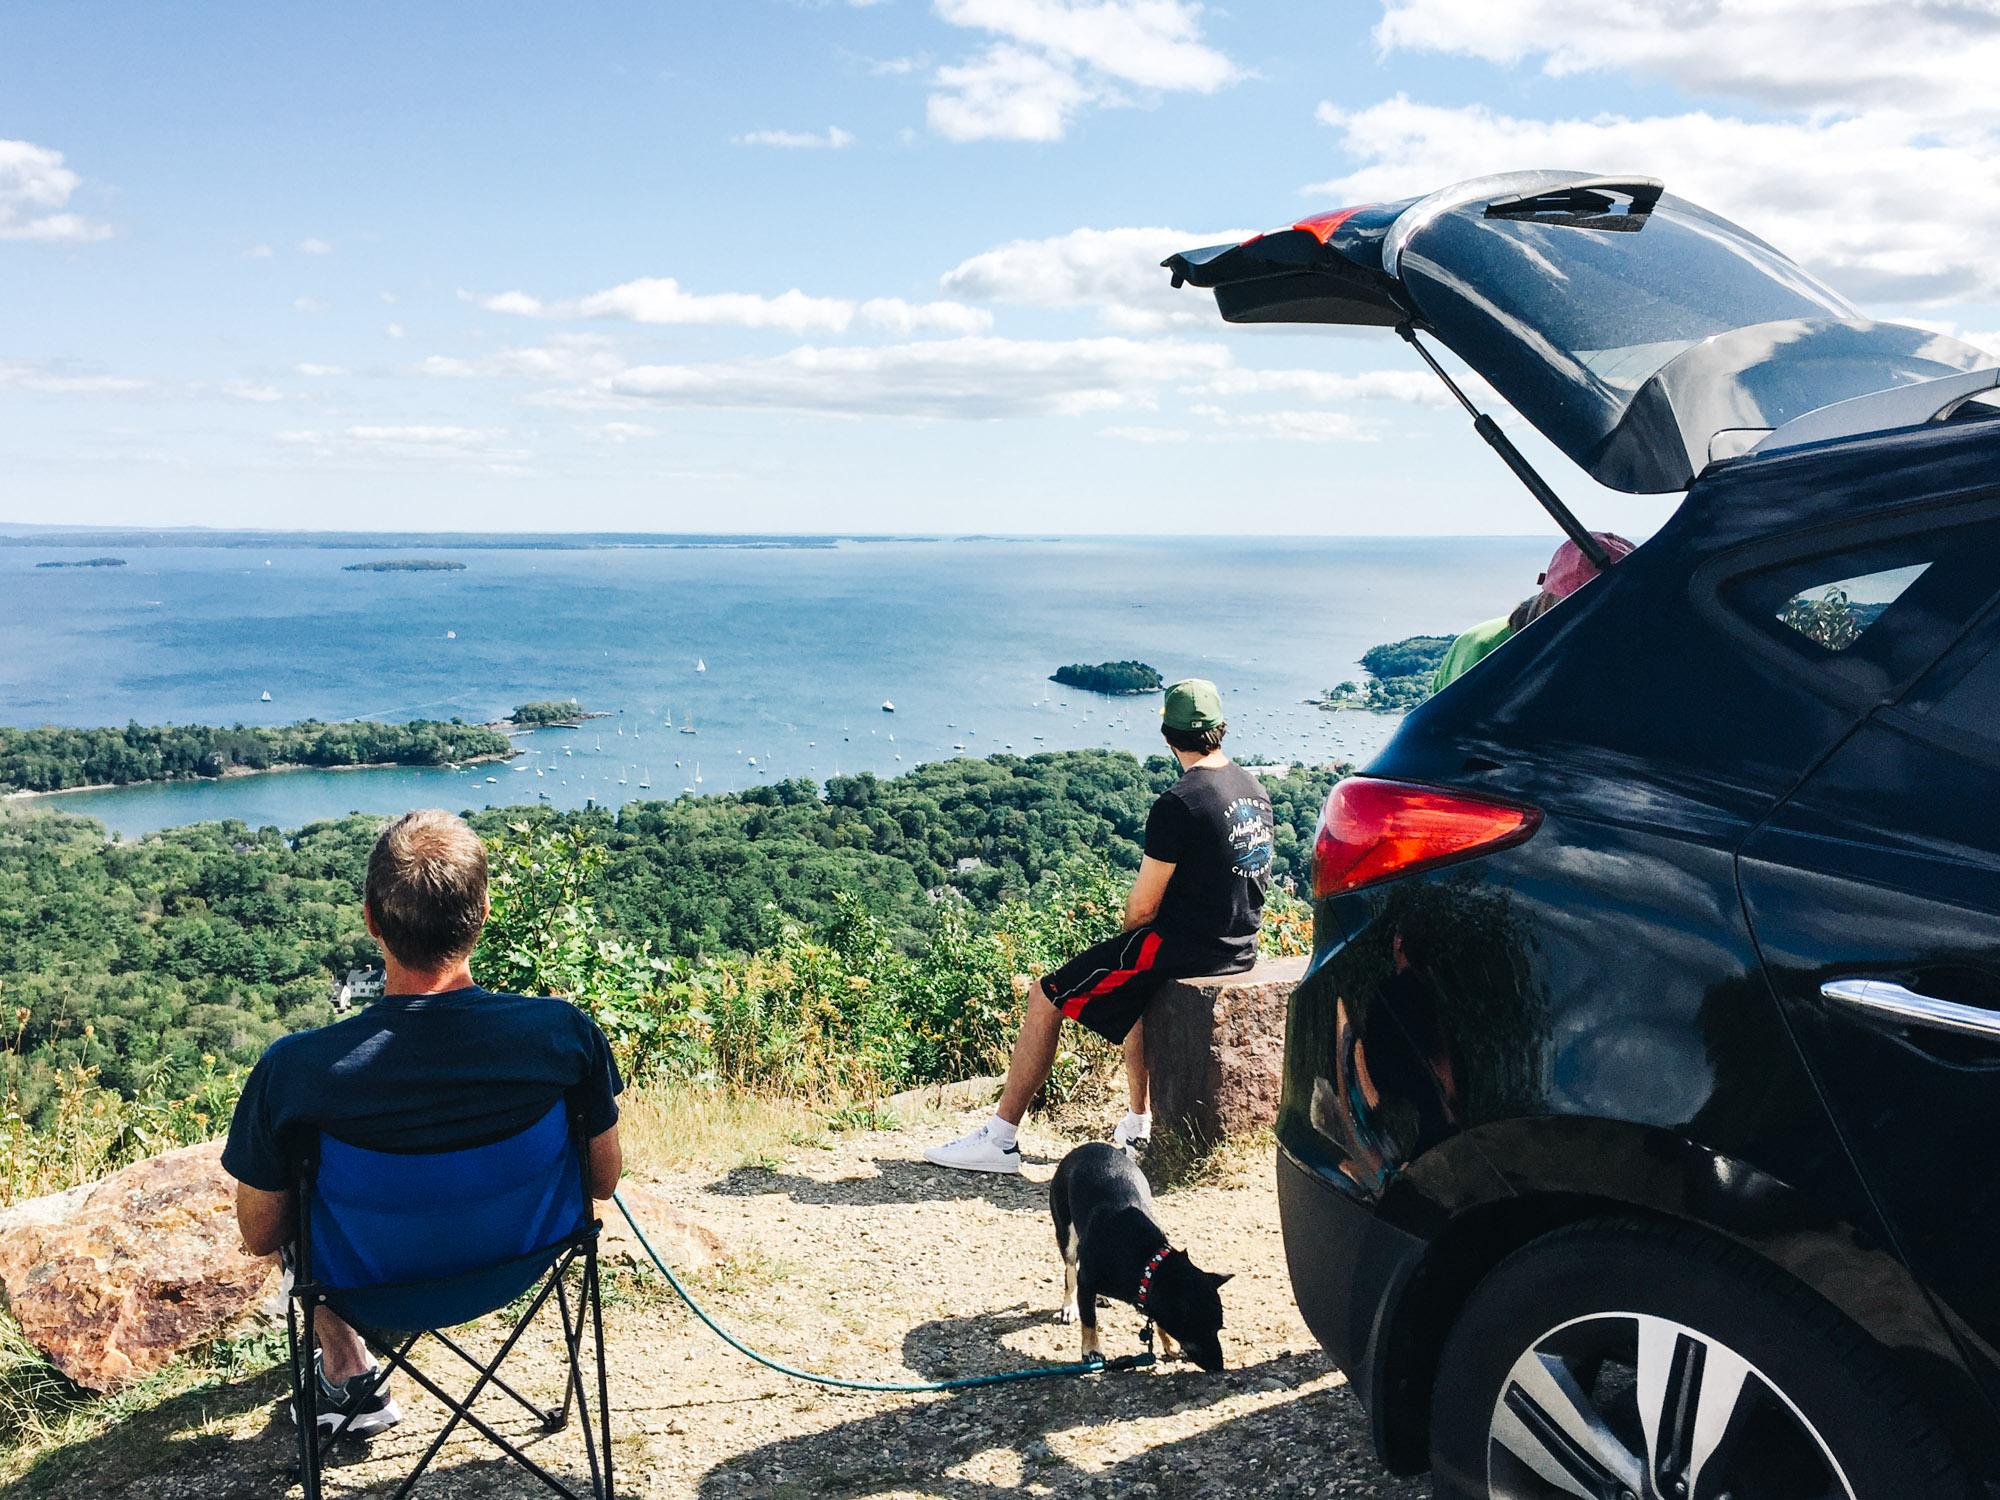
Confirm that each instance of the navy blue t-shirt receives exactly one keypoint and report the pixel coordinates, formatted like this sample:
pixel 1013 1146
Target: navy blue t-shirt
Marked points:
pixel 422 1073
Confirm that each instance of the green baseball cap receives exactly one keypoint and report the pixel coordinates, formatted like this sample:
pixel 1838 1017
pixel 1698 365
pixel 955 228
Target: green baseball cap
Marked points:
pixel 1193 704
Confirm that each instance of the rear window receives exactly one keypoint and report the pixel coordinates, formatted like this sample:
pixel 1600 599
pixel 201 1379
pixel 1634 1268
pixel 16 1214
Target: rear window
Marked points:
pixel 1862 622
pixel 1835 615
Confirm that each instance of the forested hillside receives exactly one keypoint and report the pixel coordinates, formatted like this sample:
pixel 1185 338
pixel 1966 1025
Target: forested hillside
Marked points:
pixel 140 959
pixel 49 759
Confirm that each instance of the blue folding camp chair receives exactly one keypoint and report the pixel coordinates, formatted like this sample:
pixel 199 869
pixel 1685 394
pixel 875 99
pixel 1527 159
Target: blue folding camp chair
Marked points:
pixel 404 1247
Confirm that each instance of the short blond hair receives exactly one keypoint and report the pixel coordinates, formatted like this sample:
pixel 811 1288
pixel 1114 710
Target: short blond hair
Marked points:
pixel 426 887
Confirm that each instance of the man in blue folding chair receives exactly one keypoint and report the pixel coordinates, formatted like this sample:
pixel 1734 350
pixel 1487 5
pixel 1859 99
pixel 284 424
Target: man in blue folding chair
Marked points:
pixel 430 1159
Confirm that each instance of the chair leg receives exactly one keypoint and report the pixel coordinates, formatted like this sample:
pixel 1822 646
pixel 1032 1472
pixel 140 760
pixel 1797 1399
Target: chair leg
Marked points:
pixel 305 1399
pixel 550 1419
pixel 575 1377
pixel 461 1410
pixel 603 1377
pixel 572 1341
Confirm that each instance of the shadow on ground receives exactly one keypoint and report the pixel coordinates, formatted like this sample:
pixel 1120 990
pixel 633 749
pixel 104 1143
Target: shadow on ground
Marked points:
pixel 897 1180
pixel 997 1440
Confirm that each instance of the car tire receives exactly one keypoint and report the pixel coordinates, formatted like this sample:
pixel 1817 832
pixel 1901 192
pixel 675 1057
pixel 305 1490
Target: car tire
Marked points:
pixel 1755 1387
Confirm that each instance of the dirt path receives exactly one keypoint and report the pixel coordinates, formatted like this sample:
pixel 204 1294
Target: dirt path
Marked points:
pixel 862 1260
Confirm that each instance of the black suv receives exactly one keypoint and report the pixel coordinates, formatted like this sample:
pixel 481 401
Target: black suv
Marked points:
pixel 1641 1124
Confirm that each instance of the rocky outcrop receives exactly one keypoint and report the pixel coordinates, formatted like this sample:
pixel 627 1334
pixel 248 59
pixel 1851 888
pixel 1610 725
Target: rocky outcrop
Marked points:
pixel 1216 1050
pixel 112 1279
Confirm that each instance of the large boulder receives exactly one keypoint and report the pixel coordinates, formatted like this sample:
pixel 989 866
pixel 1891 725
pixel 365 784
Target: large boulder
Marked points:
pixel 112 1279
pixel 1216 1050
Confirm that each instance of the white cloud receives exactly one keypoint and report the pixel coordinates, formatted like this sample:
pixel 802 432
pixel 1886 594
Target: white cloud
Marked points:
pixel 1930 59
pixel 315 247
pixel 1881 206
pixel 471 449
pixel 258 252
pixel 661 300
pixel 321 370
pixel 623 432
pixel 1052 58
pixel 1418 385
pixel 570 358
pixel 308 304
pixel 1115 271
pixel 394 330
pixel 450 437
pixel 243 390
pixel 1148 434
pixel 968 378
pixel 1298 426
pixel 59 380
pixel 798 140
pixel 33 181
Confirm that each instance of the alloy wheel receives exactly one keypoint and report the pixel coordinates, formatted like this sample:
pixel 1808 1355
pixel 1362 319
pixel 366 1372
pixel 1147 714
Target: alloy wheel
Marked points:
pixel 1626 1406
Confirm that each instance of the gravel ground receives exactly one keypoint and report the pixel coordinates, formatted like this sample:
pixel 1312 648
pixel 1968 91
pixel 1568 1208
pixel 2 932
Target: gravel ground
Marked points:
pixel 862 1260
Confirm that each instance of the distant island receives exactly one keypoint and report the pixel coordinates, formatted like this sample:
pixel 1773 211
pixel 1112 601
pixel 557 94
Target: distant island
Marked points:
pixel 53 759
pixel 402 565
pixel 1110 677
pixel 1399 676
pixel 87 562
pixel 549 712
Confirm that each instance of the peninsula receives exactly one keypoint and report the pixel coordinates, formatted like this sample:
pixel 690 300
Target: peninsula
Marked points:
pixel 1399 676
pixel 403 565
pixel 53 759
pixel 1112 677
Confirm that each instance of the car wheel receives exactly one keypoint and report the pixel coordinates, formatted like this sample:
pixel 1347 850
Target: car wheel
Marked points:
pixel 1620 1360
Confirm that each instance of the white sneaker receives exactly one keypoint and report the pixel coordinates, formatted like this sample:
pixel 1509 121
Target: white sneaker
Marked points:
pixel 977 1152
pixel 1124 1139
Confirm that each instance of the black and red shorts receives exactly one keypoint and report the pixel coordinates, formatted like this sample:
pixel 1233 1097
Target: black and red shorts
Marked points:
pixel 1108 985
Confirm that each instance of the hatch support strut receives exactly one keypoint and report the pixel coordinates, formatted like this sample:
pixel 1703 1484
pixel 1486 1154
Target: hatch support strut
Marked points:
pixel 1512 457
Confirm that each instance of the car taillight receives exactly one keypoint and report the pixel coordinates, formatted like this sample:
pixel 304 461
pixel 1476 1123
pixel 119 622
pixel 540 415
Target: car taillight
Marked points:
pixel 1373 829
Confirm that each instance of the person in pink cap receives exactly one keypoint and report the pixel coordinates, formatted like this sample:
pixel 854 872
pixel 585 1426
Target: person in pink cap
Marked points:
pixel 1568 571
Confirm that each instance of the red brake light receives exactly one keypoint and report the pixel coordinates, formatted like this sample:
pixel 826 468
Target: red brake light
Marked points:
pixel 1322 226
pixel 1373 829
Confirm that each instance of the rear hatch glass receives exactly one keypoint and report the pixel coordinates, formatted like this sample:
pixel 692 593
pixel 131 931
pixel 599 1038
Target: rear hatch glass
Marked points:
pixel 1642 334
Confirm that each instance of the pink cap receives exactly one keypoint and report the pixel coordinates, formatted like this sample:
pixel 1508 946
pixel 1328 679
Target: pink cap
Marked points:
pixel 1569 570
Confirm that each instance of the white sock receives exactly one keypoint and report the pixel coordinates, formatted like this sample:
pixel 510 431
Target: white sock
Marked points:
pixel 1137 1127
pixel 1000 1133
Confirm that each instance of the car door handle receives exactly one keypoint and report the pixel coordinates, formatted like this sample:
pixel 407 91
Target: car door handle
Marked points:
pixel 1882 997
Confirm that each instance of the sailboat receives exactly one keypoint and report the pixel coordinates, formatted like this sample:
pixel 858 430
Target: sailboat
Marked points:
pixel 700 665
pixel 266 698
pixel 688 726
pixel 621 776
pixel 645 780
pixel 697 773
pixel 670 718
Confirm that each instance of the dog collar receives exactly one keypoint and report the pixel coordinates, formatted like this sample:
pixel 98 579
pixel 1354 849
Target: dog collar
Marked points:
pixel 1146 1276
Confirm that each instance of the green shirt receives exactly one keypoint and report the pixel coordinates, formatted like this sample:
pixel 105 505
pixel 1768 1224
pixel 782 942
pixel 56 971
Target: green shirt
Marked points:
pixel 1467 649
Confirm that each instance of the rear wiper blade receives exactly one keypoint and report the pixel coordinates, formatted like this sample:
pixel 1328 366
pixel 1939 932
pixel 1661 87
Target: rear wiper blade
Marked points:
pixel 1620 205
pixel 1514 459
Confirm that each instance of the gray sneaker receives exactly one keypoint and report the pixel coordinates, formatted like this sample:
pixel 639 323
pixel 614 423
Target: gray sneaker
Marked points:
pixel 372 1413
pixel 977 1152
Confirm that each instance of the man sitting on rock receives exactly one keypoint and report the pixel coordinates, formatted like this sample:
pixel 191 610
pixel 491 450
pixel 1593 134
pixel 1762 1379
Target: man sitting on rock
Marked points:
pixel 437 1064
pixel 1194 910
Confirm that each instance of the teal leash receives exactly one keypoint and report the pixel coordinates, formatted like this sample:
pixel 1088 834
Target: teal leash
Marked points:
pixel 1039 1372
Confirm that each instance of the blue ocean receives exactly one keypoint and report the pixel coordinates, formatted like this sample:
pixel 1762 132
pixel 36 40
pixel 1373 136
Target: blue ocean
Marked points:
pixel 782 660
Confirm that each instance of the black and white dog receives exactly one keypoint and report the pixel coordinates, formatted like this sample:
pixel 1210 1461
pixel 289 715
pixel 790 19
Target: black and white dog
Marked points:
pixel 1112 1247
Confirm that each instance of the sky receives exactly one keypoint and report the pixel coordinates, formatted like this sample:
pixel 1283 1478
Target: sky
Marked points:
pixel 869 265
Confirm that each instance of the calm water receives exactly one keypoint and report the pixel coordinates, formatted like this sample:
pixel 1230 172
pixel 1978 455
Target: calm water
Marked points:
pixel 802 647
